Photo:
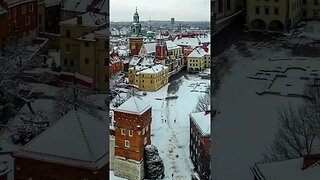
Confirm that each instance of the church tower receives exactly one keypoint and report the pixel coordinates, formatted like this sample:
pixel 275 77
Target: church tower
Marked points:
pixel 132 134
pixel 161 49
pixel 136 39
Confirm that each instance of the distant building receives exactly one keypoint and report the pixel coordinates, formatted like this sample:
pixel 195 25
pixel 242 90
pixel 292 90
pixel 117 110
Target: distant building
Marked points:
pixel 198 59
pixel 149 78
pixel 136 39
pixel 72 148
pixel 306 168
pixel 115 64
pixel 200 143
pixel 132 134
pixel 172 21
pixel 49 16
pixel 18 20
pixel 84 49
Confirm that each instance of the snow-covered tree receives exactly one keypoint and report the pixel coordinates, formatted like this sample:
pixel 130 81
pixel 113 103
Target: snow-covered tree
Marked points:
pixel 154 168
pixel 70 97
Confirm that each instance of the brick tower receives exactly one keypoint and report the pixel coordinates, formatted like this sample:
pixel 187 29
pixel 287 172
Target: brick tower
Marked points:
pixel 136 39
pixel 132 134
pixel 161 49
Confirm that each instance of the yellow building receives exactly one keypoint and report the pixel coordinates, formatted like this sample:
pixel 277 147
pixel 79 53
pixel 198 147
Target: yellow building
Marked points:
pixel 275 15
pixel 83 48
pixel 198 60
pixel 311 9
pixel 149 78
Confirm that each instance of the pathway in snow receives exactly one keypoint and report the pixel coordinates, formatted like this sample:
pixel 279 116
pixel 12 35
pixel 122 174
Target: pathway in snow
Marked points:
pixel 170 125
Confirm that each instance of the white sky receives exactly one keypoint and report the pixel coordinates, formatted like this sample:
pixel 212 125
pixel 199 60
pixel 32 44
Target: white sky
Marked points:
pixel 181 10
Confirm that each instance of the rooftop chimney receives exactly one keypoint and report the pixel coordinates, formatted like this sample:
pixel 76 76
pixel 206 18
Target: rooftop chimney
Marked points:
pixel 79 19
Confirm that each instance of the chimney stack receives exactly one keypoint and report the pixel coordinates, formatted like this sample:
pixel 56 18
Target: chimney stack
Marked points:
pixel 79 19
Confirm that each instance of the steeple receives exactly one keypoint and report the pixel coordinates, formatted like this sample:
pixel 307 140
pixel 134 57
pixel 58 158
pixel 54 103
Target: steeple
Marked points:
pixel 136 16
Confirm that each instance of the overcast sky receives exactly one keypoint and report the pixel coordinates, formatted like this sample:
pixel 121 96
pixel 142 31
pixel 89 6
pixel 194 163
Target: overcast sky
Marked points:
pixel 181 10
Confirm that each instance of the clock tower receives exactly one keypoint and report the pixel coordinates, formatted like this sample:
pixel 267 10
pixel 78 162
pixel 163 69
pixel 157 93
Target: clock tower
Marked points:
pixel 136 39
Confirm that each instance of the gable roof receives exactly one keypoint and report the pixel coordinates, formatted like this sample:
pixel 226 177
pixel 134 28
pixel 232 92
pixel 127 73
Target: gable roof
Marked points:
pixel 133 105
pixel 89 19
pixel 197 52
pixel 287 169
pixel 77 139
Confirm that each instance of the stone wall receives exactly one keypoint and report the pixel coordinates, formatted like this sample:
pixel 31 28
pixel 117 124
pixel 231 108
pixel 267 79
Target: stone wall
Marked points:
pixel 129 169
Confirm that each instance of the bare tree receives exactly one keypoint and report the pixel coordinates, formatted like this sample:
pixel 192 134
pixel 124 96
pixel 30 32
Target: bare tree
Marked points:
pixel 296 136
pixel 70 98
pixel 203 103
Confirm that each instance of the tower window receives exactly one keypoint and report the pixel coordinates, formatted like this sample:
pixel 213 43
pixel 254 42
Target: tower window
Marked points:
pixel 145 140
pixel 130 133
pixel 147 128
pixel 127 143
pixel 123 131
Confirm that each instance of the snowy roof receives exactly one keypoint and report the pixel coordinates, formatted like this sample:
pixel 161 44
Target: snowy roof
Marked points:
pixel 202 121
pixel 77 139
pixel 154 69
pixel 88 19
pixel 16 2
pixel 88 37
pixel 49 3
pixel 187 41
pixel 76 5
pixel 134 61
pixel 147 61
pixel 102 32
pixel 198 52
pixel 171 45
pixel 288 169
pixel 133 105
pixel 150 47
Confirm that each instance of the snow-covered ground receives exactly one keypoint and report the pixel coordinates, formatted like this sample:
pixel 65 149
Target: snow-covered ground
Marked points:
pixel 247 122
pixel 171 125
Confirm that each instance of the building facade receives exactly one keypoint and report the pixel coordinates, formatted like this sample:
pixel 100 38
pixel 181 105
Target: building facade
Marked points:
pixel 200 143
pixel 149 78
pixel 132 134
pixel 198 59
pixel 85 52
pixel 18 20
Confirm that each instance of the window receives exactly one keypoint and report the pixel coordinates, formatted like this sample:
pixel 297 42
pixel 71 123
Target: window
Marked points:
pixel 316 2
pixel 106 62
pixel 71 62
pixel 304 2
pixel 68 33
pixel 27 20
pixel 65 62
pixel 68 48
pixel 257 10
pixel 147 128
pixel 86 44
pixel 86 60
pixel 130 133
pixel 276 11
pixel 127 143
pixel 14 12
pixel 145 140
pixel 266 11
pixel 106 78
pixel 31 8
pixel 143 131
pixel 123 131
pixel 24 9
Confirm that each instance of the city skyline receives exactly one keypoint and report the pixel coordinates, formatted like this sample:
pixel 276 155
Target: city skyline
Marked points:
pixel 188 10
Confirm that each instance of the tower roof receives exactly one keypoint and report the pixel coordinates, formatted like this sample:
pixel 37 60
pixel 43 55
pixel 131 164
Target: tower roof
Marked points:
pixel 134 105
pixel 77 131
